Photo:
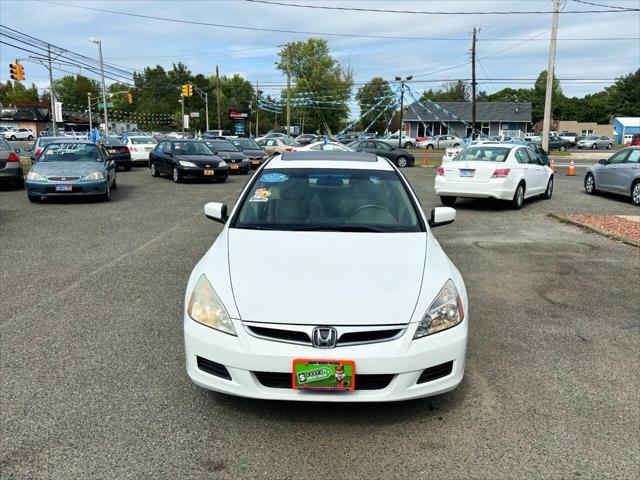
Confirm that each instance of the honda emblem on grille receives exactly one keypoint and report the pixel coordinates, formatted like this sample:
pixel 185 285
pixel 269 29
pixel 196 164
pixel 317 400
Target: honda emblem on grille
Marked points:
pixel 324 337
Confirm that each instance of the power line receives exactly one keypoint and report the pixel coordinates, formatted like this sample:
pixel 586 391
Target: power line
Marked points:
pixel 422 12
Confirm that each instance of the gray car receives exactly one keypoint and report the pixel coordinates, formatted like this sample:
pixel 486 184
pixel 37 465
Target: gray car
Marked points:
pixel 10 167
pixel 619 174
pixel 593 142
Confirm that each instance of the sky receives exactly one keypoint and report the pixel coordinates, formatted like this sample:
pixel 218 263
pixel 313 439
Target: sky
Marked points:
pixel 511 46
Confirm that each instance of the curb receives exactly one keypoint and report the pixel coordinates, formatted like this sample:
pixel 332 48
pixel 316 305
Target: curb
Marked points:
pixel 612 236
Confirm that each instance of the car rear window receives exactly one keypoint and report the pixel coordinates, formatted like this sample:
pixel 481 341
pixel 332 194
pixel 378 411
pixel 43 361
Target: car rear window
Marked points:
pixel 328 200
pixel 483 154
pixel 142 140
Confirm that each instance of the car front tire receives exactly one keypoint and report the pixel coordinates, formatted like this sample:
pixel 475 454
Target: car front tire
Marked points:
pixel 176 175
pixel 448 201
pixel 107 195
pixel 590 184
pixel 609 147
pixel 34 198
pixel 563 148
pixel 13 138
pixel 594 146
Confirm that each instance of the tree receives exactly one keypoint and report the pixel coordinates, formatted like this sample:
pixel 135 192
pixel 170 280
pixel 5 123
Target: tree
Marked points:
pixel 235 93
pixel 72 91
pixel 320 82
pixel 370 94
pixel 624 95
pixel 538 98
pixel 16 94
pixel 457 91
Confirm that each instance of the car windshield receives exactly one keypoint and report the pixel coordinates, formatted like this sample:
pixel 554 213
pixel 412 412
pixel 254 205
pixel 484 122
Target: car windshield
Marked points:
pixel 112 142
pixel 70 152
pixel 328 200
pixel 191 148
pixel 483 154
pixel 142 140
pixel 221 146
pixel 4 145
pixel 245 144
pixel 287 141
pixel 592 138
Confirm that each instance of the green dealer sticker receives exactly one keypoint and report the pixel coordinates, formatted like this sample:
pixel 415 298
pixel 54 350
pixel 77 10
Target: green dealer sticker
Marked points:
pixel 333 375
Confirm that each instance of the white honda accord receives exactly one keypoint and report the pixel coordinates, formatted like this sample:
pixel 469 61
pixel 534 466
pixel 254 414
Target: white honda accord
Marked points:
pixel 494 170
pixel 326 284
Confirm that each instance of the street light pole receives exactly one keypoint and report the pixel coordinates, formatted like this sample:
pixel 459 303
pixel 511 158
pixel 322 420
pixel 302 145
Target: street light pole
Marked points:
pixel 401 80
pixel 206 108
pixel 104 87
pixel 89 106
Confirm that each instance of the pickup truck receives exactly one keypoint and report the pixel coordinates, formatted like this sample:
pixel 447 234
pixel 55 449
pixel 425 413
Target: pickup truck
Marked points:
pixel 570 137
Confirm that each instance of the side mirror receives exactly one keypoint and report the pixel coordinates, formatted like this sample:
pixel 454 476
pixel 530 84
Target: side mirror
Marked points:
pixel 216 211
pixel 602 161
pixel 442 216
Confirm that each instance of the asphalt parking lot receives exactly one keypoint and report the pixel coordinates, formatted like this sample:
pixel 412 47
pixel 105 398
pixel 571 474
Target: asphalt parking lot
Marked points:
pixel 94 382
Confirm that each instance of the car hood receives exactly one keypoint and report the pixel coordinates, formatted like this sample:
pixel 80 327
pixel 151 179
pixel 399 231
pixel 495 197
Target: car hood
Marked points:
pixel 254 153
pixel 230 155
pixel 326 277
pixel 67 168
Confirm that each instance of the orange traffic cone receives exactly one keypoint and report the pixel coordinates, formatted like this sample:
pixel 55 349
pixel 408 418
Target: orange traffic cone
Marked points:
pixel 552 166
pixel 426 156
pixel 572 169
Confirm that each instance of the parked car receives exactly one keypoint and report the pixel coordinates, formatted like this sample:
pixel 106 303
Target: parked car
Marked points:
pixel 272 135
pixel 347 138
pixel 218 134
pixel 397 324
pixel 118 151
pixel 251 151
pixel 594 142
pixel 619 174
pixel 72 167
pixel 555 143
pixel 42 142
pixel 570 137
pixel 10 167
pixel 501 171
pixel 451 152
pixel 544 156
pixel 19 134
pixel 307 138
pixel 325 146
pixel 187 159
pixel 140 147
pixel 392 139
pixel 235 159
pixel 276 145
pixel 441 141
pixel 400 157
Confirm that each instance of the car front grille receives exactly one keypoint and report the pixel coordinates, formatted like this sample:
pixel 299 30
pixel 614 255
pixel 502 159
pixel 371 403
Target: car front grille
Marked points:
pixel 63 179
pixel 358 337
pixel 213 368
pixel 363 382
pixel 433 373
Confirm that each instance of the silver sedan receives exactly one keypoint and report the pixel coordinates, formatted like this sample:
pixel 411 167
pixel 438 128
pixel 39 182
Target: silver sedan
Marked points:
pixel 619 174
pixel 593 142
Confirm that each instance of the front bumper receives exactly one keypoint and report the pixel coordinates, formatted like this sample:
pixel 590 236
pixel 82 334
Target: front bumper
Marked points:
pixel 93 187
pixel 256 162
pixel 404 359
pixel 499 188
pixel 11 173
pixel 239 167
pixel 198 173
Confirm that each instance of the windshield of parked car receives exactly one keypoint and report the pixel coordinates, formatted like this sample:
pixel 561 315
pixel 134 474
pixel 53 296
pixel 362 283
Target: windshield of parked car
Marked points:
pixel 483 154
pixel 245 144
pixel 112 142
pixel 221 146
pixel 591 138
pixel 70 152
pixel 328 200
pixel 191 148
pixel 142 140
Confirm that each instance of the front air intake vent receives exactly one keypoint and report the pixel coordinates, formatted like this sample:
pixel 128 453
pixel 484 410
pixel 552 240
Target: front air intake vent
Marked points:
pixel 213 368
pixel 433 373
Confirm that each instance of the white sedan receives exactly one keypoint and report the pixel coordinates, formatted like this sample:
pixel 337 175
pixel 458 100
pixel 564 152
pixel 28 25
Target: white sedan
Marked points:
pixel 348 299
pixel 140 147
pixel 328 146
pixel 501 171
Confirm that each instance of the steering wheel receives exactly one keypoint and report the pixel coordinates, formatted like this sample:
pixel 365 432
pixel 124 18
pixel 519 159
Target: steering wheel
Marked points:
pixel 364 207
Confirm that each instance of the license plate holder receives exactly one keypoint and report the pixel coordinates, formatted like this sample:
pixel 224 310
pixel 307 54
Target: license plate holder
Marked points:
pixel 112 151
pixel 255 162
pixel 209 172
pixel 467 173
pixel 234 167
pixel 64 187
pixel 323 375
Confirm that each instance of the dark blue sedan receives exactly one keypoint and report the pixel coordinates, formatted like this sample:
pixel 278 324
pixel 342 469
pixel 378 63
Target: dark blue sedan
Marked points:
pixel 72 168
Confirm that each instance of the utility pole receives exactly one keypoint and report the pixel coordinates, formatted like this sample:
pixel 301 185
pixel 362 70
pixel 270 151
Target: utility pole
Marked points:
pixel 473 85
pixel 288 90
pixel 206 108
pixel 401 80
pixel 182 103
pixel 89 106
pixel 53 107
pixel 218 97
pixel 546 122
pixel 104 87
pixel 257 108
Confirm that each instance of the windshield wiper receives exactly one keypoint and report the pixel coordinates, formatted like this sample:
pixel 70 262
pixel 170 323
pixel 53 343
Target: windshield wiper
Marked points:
pixel 336 228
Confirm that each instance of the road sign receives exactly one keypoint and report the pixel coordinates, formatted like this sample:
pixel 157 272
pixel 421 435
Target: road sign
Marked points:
pixel 185 122
pixel 195 114
pixel 109 105
pixel 58 111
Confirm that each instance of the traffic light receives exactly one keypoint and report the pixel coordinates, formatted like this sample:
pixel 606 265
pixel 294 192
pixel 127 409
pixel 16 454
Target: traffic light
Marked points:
pixel 187 90
pixel 190 89
pixel 17 71
pixel 129 98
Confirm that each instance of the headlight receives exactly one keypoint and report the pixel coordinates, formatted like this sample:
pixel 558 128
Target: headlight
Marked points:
pixel 187 164
pixel 94 176
pixel 35 176
pixel 446 311
pixel 205 307
pixel 222 163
